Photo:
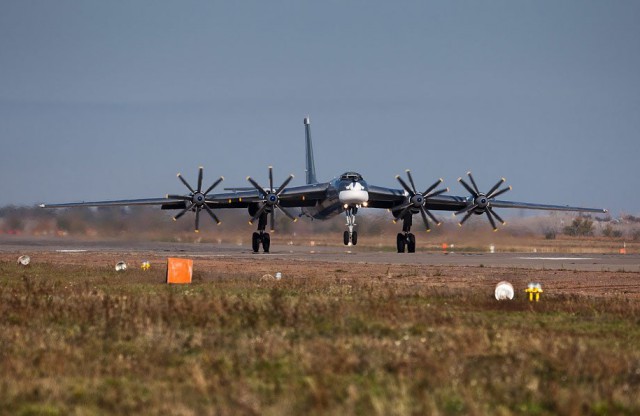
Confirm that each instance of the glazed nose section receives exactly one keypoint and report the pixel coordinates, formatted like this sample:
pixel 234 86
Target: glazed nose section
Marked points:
pixel 354 194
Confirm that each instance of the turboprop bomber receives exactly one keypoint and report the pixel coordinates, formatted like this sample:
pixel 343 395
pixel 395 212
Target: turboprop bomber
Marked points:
pixel 345 194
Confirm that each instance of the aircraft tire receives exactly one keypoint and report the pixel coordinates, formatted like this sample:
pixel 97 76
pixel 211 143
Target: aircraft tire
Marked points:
pixel 266 242
pixel 400 242
pixel 255 242
pixel 411 243
pixel 354 238
pixel 345 238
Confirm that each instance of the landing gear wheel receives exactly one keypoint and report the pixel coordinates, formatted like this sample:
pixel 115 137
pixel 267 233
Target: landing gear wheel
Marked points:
pixel 346 238
pixel 354 238
pixel 411 243
pixel 400 241
pixel 255 242
pixel 266 242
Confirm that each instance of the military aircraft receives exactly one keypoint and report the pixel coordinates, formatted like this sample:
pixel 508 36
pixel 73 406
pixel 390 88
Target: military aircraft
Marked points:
pixel 323 200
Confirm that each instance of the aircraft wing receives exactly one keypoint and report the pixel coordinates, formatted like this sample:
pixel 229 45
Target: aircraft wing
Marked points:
pixel 299 196
pixel 526 205
pixel 115 203
pixel 380 197
pixel 408 201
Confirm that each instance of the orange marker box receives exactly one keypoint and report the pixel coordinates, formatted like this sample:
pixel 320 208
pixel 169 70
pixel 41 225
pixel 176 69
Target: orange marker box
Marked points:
pixel 179 271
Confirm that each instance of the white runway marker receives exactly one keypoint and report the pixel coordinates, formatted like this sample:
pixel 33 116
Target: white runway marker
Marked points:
pixel 555 258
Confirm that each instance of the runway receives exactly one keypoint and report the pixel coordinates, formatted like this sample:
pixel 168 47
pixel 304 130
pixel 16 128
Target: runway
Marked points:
pixel 335 254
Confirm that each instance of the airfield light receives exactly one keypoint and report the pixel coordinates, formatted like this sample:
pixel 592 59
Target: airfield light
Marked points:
pixel 24 260
pixel 534 290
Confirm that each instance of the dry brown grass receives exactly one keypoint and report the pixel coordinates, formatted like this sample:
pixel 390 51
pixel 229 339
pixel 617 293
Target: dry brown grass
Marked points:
pixel 81 340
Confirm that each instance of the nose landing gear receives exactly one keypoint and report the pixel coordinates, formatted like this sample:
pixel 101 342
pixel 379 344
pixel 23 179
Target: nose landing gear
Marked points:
pixel 351 236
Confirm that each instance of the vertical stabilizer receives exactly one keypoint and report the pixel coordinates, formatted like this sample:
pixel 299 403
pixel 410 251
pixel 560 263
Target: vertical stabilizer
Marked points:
pixel 311 166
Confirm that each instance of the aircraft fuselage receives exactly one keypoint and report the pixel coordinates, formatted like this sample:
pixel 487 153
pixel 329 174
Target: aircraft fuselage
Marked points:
pixel 349 190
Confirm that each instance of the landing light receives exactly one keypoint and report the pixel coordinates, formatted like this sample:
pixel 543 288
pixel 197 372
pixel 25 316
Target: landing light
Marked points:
pixel 365 204
pixel 346 206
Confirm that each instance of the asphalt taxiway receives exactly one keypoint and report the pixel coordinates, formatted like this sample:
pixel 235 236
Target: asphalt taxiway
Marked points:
pixel 335 254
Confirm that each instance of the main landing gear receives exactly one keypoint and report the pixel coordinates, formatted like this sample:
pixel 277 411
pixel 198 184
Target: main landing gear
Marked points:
pixel 260 236
pixel 406 239
pixel 351 236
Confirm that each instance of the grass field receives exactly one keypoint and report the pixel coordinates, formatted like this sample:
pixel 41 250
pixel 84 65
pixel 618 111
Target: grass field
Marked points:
pixel 84 340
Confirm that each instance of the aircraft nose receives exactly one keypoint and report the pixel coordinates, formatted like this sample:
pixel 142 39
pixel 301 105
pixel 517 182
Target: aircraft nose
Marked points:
pixel 356 195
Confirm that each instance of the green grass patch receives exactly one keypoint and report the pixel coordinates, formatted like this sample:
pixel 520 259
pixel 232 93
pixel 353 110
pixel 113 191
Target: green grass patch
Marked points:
pixel 87 340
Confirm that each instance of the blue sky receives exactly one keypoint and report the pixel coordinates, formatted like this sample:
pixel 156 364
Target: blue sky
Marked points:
pixel 109 100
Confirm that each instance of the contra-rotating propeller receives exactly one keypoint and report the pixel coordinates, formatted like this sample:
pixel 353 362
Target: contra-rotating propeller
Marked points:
pixel 196 200
pixel 418 200
pixel 271 199
pixel 482 201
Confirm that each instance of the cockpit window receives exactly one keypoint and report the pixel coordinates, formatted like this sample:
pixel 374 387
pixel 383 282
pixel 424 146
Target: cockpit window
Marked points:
pixel 351 176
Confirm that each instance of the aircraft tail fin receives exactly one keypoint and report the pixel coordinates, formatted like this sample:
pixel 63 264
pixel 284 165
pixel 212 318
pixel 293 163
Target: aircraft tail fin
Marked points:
pixel 311 166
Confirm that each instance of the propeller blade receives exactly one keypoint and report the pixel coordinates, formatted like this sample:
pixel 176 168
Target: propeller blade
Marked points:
pixel 258 214
pixel 186 183
pixel 287 213
pixel 468 188
pixel 284 185
pixel 496 186
pixel 475 186
pixel 500 192
pixel 255 185
pixel 197 219
pixel 413 185
pixel 184 211
pixel 466 217
pixel 216 183
pixel 469 208
pixel 435 220
pixel 424 219
pixel 404 185
pixel 401 207
pixel 200 169
pixel 493 224
pixel 432 187
pixel 496 215
pixel 270 178
pixel 273 220
pixel 210 211
pixel 182 197
pixel 436 193
pixel 404 212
